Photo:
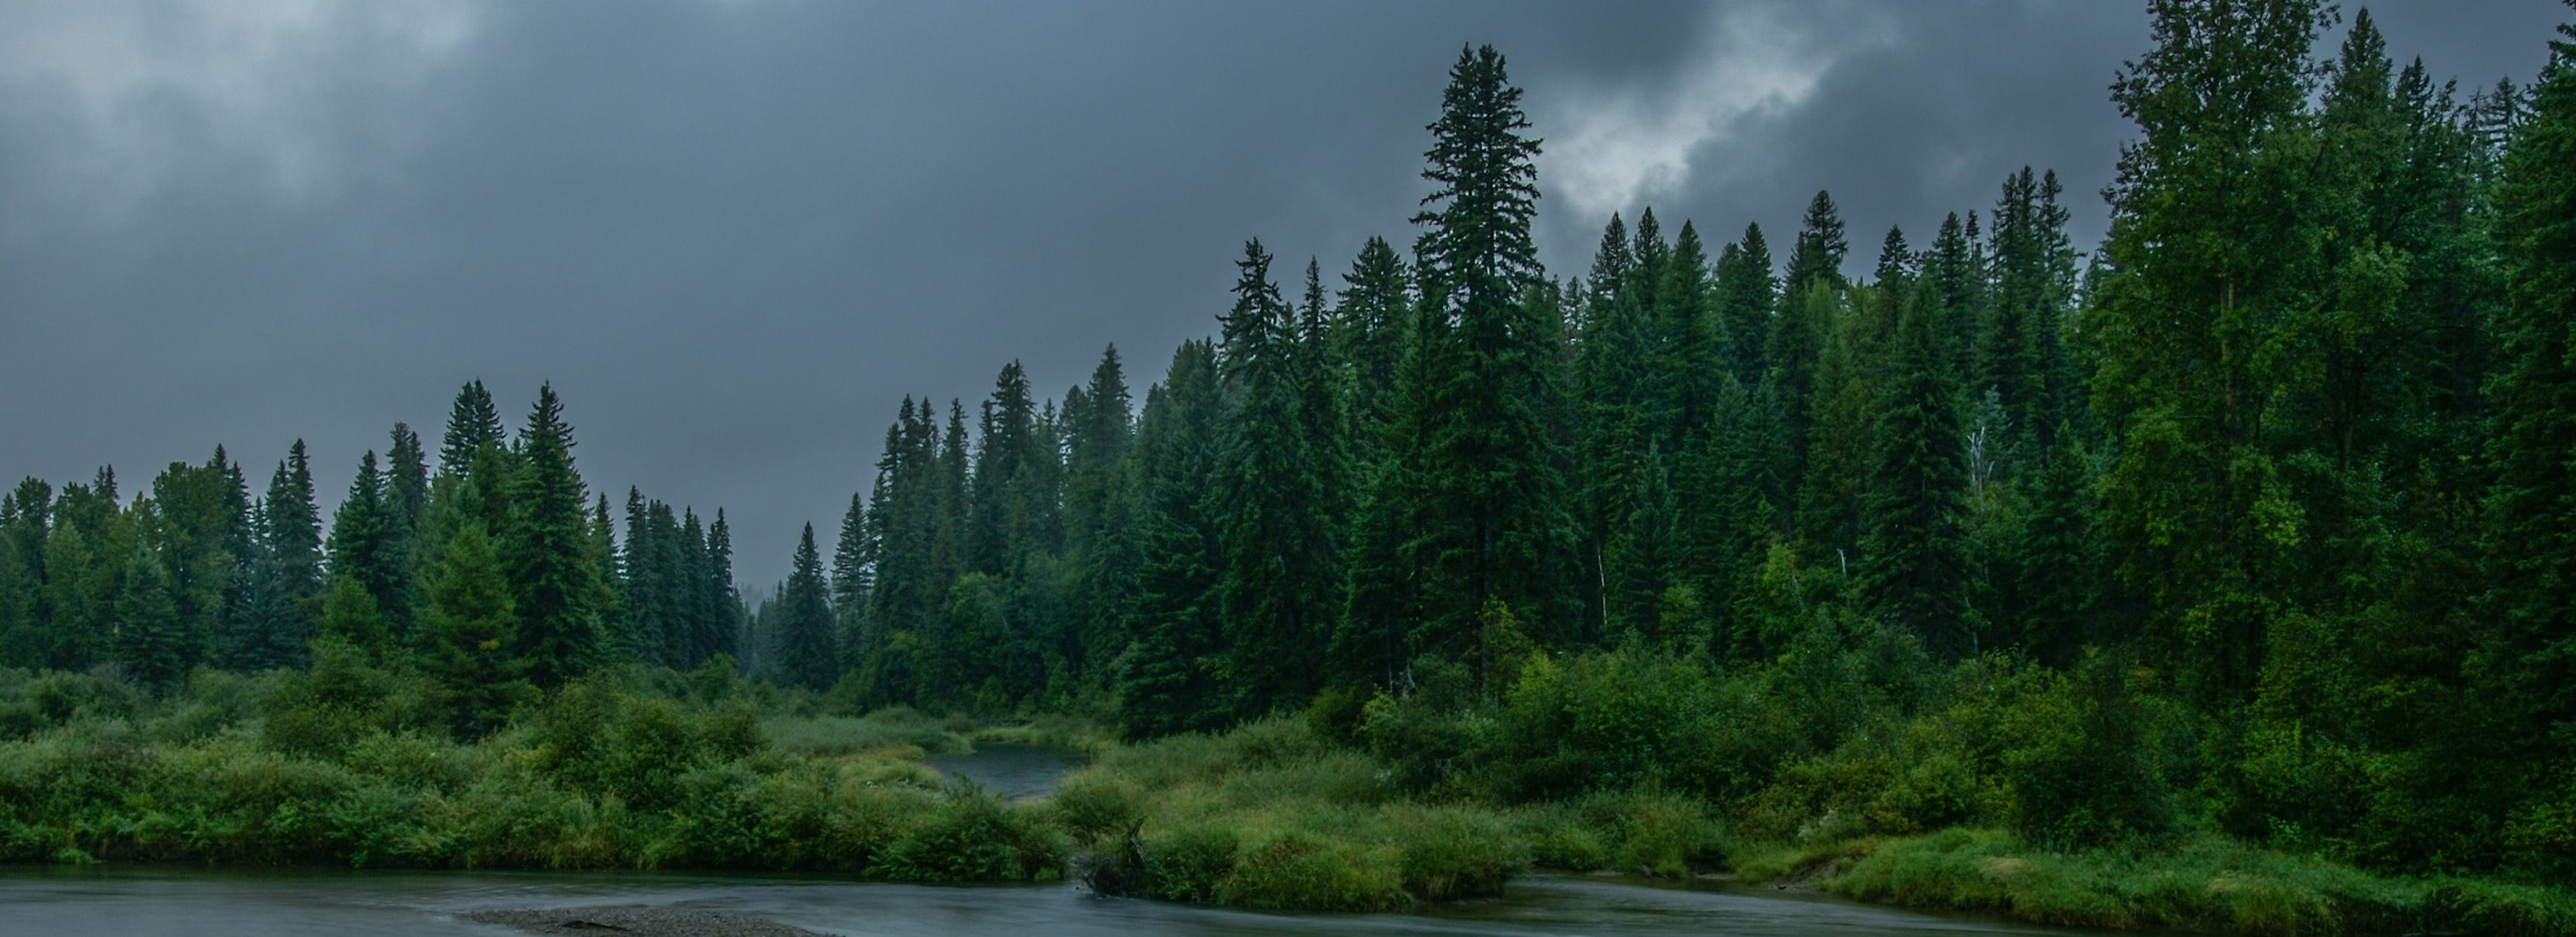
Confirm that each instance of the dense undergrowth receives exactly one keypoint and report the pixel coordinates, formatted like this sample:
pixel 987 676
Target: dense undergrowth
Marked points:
pixel 2054 796
pixel 349 763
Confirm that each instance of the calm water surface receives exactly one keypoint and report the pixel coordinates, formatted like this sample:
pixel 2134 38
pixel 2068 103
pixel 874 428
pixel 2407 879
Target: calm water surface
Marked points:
pixel 202 903
pixel 1012 772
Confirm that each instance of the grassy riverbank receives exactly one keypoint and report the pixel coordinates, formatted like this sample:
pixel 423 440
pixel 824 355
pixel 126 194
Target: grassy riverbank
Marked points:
pixel 2207 884
pixel 342 765
pixel 1385 806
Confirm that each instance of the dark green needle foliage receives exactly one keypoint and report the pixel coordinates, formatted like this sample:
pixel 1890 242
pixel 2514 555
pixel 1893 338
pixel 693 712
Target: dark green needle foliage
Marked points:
pixel 809 655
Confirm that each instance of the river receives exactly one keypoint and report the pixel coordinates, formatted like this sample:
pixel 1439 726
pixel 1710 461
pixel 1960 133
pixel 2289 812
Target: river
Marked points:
pixel 195 902
pixel 203 902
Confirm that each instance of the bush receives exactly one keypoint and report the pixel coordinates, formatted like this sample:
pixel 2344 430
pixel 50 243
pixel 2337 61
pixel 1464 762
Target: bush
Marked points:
pixel 974 837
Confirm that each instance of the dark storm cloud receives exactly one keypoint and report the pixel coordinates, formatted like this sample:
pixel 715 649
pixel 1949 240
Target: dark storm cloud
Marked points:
pixel 734 234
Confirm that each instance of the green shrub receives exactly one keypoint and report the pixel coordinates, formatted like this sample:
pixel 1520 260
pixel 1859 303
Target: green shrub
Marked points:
pixel 1186 861
pixel 1559 837
pixel 1446 853
pixel 1298 870
pixel 974 837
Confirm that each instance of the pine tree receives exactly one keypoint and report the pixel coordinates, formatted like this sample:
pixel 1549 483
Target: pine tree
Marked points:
pixel 25 513
pixel 808 656
pixel 363 548
pixel 1914 566
pixel 1818 255
pixel 1280 588
pixel 1622 412
pixel 269 630
pixel 472 424
pixel 2532 509
pixel 1490 500
pixel 554 578
pixel 406 478
pixel 2019 352
pixel 1100 517
pixel 149 642
pixel 1369 324
pixel 1168 680
pixel 720 603
pixel 469 628
pixel 348 615
pixel 1689 356
pixel 1747 292
pixel 294 529
pixel 851 579
pixel 997 516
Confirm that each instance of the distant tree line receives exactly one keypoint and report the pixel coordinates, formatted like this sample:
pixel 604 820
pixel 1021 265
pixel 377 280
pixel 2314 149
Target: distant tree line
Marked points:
pixel 494 574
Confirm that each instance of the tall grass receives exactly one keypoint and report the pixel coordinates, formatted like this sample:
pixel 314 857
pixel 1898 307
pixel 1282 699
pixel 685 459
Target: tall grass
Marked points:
pixel 2206 883
pixel 275 770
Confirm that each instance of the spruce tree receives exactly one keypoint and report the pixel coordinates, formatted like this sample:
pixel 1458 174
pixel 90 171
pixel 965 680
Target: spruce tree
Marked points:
pixel 406 478
pixel 2532 508
pixel 1747 293
pixel 149 642
pixel 1689 357
pixel 472 424
pixel 1489 501
pixel 1281 585
pixel 294 530
pixel 364 550
pixel 808 655
pixel 469 629
pixel 851 579
pixel 719 602
pixel 1168 680
pixel 2019 352
pixel 1370 321
pixel 1818 254
pixel 554 577
pixel 1914 566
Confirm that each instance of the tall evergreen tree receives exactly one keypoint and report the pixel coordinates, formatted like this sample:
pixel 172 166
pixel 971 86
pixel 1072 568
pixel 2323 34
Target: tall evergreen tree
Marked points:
pixel 2532 509
pixel 1489 502
pixel 2019 354
pixel 554 576
pixel 149 642
pixel 808 656
pixel 1818 254
pixel 1169 679
pixel 720 603
pixel 472 424
pixel 1915 571
pixel 1747 292
pixel 851 577
pixel 1281 586
pixel 364 550
pixel 295 525
pixel 469 630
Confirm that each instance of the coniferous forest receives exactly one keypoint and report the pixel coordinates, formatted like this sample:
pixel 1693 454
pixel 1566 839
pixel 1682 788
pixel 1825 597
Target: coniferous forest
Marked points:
pixel 1969 567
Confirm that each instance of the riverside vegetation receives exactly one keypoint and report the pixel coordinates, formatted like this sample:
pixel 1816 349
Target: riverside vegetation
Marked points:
pixel 2218 579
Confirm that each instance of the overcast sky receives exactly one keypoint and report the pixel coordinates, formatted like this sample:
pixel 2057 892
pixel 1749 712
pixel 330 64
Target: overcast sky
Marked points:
pixel 734 233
